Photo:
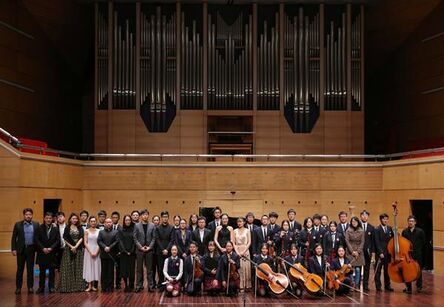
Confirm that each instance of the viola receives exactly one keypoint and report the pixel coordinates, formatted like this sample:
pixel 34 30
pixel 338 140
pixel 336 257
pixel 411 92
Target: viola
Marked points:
pixel 278 284
pixel 335 278
pixel 312 282
pixel 234 273
pixel 197 271
pixel 402 267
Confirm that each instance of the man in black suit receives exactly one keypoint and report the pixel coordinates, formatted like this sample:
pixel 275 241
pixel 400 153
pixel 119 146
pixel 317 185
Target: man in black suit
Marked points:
pixel 343 224
pixel 417 236
pixel 217 212
pixel 24 248
pixel 274 228
pixel 107 242
pixel 369 247
pixel 164 233
pixel 318 231
pixel 115 217
pixel 294 225
pixel 201 236
pixel 262 235
pixel 383 233
pixel 47 239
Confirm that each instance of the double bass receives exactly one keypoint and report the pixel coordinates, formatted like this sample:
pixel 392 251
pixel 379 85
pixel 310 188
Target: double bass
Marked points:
pixel 402 267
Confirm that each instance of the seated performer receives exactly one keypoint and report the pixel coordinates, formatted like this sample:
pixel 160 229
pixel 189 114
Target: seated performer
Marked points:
pixel 296 285
pixel 228 270
pixel 263 257
pixel 316 263
pixel 193 283
pixel 173 270
pixel 337 264
pixel 210 262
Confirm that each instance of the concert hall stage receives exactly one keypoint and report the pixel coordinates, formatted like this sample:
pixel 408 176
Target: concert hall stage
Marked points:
pixel 432 295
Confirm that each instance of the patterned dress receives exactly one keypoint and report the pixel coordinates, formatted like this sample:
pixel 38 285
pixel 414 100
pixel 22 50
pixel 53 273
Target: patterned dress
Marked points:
pixel 71 269
pixel 241 239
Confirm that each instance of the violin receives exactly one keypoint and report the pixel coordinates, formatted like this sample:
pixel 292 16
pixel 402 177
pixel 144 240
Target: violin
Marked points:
pixel 278 283
pixel 197 271
pixel 402 268
pixel 312 282
pixel 234 274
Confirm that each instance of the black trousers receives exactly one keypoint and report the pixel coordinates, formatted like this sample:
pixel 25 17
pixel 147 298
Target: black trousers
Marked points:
pixel 366 276
pixel 419 280
pixel 160 261
pixel 118 278
pixel 196 288
pixel 107 275
pixel 42 276
pixel 27 256
pixel 147 259
pixel 379 267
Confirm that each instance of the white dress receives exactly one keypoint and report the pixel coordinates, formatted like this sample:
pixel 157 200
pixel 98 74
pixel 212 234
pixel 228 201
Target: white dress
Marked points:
pixel 91 266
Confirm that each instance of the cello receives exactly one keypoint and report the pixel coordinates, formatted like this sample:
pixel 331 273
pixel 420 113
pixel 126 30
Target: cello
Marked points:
pixel 312 282
pixel 402 267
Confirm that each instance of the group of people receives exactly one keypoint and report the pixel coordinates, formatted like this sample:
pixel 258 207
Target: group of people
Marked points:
pixel 193 256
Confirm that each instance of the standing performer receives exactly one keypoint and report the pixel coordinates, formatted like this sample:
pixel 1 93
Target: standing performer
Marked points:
pixel 369 248
pixel 417 236
pixel 331 242
pixel 210 264
pixel 193 271
pixel 201 235
pixel 383 234
pixel 182 239
pixel 192 223
pixel 223 234
pixel 164 239
pixel 242 242
pixel 173 271
pixel 228 270
pixel 273 227
pixel 217 212
pixel 283 239
pixel 127 253
pixel 343 224
pixel 91 259
pixel 294 225
pixel 262 286
pixel 23 247
pixel 318 231
pixel 354 239
pixel 306 239
pixel 262 235
pixel 47 239
pixel 107 241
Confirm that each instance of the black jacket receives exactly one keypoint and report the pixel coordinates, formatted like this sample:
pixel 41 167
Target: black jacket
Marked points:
pixel 18 236
pixel 327 243
pixel 202 245
pixel 164 236
pixel 42 241
pixel 418 239
pixel 314 267
pixel 108 238
pixel 381 239
pixel 369 244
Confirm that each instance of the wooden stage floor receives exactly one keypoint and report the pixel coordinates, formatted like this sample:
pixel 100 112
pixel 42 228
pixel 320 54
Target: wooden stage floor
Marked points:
pixel 432 295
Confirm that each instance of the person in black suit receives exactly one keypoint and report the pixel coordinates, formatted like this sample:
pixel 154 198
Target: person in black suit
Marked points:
pixel 332 240
pixel 217 212
pixel 192 283
pixel 107 242
pixel 47 239
pixel 23 247
pixel 343 224
pixel 316 263
pixel 294 225
pixel 115 217
pixel 262 235
pixel 318 231
pixel 163 244
pixel 274 228
pixel 417 236
pixel 369 247
pixel 182 239
pixel 201 236
pixel 383 233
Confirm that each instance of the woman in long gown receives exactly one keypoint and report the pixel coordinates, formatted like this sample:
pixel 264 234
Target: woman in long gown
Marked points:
pixel 242 242
pixel 223 234
pixel 91 259
pixel 71 268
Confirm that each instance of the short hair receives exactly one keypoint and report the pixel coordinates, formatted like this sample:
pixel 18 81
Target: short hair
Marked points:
pixel 265 245
pixel 101 212
pixel 317 245
pixel 316 217
pixel 193 243
pixel 411 216
pixel 290 211
pixel 365 212
pixel 306 221
pixel 224 214
pixel 115 213
pixel 217 208
pixel 273 214
pixel 144 211
pixel 264 215
pixel 333 222
pixel 60 213
pixel 249 214
pixel 383 215
pixel 26 210
pixel 201 218
pixel 135 211
pixel 164 213
pixel 342 213
pixel 48 214
pixel 84 212
pixel 294 245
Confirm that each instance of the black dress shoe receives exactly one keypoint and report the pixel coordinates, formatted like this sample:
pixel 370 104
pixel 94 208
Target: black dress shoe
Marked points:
pixel 378 289
pixel 30 291
pixel 408 291
pixel 138 290
pixel 389 289
pixel 419 290
pixel 40 290
pixel 52 290
pixel 18 291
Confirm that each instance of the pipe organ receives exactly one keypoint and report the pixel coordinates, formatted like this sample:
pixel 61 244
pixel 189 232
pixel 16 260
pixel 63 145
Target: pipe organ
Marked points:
pixel 301 60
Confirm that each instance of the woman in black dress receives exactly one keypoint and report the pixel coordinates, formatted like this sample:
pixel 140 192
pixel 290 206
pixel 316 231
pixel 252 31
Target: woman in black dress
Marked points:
pixel 283 239
pixel 127 253
pixel 210 263
pixel 223 234
pixel 307 240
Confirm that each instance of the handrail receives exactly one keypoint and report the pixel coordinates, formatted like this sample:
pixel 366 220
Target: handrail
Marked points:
pixel 268 157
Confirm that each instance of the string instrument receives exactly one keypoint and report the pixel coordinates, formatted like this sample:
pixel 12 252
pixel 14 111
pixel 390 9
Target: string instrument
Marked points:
pixel 312 282
pixel 232 268
pixel 336 278
pixel 307 248
pixel 284 252
pixel 197 268
pixel 402 267
pixel 278 284
pixel 271 248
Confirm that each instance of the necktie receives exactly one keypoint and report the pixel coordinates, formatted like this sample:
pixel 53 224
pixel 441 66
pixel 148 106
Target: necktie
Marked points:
pixel 265 233
pixel 291 225
pixel 333 237
pixel 343 227
pixel 365 227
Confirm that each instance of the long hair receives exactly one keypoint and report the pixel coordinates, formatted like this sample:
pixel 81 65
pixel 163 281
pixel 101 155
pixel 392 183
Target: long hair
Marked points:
pixel 123 222
pixel 78 220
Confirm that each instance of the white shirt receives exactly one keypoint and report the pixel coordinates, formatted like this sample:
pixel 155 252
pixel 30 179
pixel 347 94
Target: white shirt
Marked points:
pixel 62 230
pixel 264 232
pixel 201 232
pixel 341 261
pixel 165 269
pixel 319 260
